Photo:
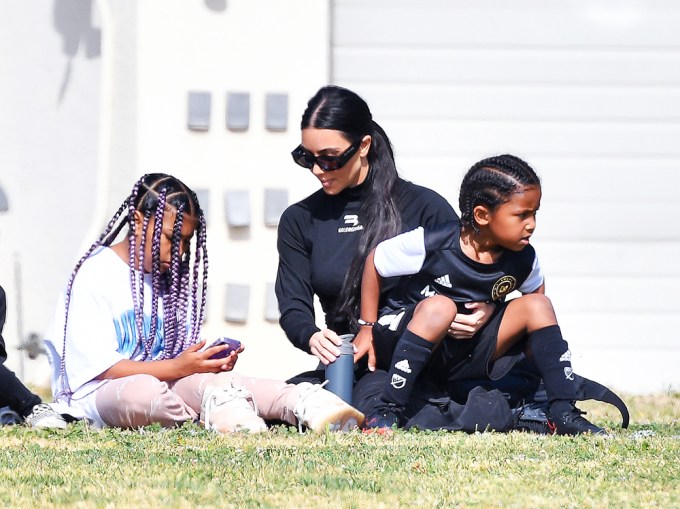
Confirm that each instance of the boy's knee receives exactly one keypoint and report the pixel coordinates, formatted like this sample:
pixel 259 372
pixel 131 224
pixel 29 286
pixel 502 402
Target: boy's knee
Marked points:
pixel 437 309
pixel 539 309
pixel 538 301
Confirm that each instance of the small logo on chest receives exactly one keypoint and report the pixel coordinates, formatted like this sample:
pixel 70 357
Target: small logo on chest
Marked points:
pixel 352 219
pixel 502 287
pixel 444 281
pixel 352 224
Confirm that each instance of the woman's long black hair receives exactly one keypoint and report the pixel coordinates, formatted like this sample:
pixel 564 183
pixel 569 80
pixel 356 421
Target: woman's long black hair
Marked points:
pixel 342 110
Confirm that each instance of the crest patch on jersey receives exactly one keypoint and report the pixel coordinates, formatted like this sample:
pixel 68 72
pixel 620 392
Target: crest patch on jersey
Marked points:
pixel 502 287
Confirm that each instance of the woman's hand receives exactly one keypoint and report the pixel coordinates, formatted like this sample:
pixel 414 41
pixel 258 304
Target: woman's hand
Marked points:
pixel 466 326
pixel 192 361
pixel 324 344
pixel 363 343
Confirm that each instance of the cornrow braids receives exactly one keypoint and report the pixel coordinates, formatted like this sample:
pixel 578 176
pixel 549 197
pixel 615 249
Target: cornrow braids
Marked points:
pixel 491 182
pixel 153 195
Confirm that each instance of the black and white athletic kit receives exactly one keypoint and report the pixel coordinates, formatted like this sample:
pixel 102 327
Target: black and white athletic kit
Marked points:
pixel 317 240
pixel 436 264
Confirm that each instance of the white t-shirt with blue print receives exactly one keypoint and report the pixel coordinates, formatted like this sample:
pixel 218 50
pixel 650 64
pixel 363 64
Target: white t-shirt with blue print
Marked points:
pixel 101 329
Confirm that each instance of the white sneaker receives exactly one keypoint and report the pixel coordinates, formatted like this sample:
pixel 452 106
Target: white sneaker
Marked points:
pixel 238 406
pixel 321 410
pixel 43 416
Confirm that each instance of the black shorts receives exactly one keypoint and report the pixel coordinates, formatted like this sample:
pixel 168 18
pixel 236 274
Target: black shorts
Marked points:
pixel 454 359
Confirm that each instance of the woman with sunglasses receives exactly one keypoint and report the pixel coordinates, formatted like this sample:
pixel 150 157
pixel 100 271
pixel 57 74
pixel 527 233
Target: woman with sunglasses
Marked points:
pixel 324 239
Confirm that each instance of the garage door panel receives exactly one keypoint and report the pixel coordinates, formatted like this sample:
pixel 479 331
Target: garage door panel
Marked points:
pixel 507 66
pixel 583 23
pixel 615 139
pixel 535 102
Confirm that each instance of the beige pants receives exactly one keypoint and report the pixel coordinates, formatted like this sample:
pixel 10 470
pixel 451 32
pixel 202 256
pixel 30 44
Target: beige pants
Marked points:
pixel 140 400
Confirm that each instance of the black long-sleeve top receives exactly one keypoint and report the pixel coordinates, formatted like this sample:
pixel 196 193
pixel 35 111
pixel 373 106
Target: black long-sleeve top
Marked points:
pixel 317 240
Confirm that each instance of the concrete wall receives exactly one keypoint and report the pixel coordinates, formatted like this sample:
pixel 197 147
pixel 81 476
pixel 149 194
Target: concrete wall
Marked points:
pixel 587 92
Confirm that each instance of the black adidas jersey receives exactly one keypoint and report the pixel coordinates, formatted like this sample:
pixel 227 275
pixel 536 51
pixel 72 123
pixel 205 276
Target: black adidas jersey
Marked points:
pixel 437 265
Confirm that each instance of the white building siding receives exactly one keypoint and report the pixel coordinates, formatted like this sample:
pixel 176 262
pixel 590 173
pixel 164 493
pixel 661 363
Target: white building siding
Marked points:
pixel 588 93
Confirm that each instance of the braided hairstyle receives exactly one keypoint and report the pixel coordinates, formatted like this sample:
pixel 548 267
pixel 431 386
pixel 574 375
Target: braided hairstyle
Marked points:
pixel 342 110
pixel 178 287
pixel 490 183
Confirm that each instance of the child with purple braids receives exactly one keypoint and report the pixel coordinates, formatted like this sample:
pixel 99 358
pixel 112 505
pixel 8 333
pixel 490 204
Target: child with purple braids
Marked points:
pixel 127 331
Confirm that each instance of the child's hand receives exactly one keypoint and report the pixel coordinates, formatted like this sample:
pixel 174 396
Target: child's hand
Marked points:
pixel 363 343
pixel 192 360
pixel 465 326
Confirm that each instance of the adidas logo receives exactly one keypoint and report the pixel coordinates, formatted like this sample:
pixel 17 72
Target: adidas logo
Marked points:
pixel 566 357
pixel 444 281
pixel 403 365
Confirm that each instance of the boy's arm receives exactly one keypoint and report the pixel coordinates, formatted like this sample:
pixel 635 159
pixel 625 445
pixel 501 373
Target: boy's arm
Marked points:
pixel 540 289
pixel 370 297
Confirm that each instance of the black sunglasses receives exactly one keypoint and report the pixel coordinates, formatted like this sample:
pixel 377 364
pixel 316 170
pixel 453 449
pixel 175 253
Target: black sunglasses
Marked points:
pixel 306 159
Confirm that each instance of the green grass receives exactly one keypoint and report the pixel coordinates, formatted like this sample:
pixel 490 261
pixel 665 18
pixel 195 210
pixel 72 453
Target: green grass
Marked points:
pixel 189 467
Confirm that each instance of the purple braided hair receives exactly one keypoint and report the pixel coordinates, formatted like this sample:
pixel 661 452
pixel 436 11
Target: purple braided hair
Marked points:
pixel 153 195
pixel 103 240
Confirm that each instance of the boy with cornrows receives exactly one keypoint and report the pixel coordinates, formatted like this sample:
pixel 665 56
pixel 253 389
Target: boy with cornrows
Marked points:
pixel 483 257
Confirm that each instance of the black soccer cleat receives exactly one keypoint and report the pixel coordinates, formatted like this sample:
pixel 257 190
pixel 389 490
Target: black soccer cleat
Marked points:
pixel 570 421
pixel 532 418
pixel 385 417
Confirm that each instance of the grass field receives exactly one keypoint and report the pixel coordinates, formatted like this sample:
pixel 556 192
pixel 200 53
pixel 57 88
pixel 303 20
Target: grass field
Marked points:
pixel 189 467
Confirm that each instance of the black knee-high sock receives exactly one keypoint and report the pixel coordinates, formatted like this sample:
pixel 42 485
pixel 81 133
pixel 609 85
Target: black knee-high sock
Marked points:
pixel 410 357
pixel 553 359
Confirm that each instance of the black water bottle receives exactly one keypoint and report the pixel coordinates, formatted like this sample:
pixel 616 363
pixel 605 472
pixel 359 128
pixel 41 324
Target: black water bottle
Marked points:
pixel 340 373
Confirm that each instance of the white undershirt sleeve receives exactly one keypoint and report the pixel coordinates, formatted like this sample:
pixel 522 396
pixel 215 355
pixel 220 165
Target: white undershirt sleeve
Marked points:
pixel 534 280
pixel 401 255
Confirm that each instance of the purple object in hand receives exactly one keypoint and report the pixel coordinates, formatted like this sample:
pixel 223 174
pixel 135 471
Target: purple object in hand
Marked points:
pixel 233 345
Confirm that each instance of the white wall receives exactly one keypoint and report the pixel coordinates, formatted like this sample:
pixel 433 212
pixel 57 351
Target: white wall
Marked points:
pixel 76 139
pixel 588 93
pixel 259 47
pixel 49 132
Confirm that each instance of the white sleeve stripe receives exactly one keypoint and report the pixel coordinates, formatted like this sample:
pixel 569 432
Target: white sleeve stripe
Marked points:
pixel 534 280
pixel 401 255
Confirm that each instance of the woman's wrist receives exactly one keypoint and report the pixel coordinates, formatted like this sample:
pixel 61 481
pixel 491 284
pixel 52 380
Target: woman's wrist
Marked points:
pixel 364 323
